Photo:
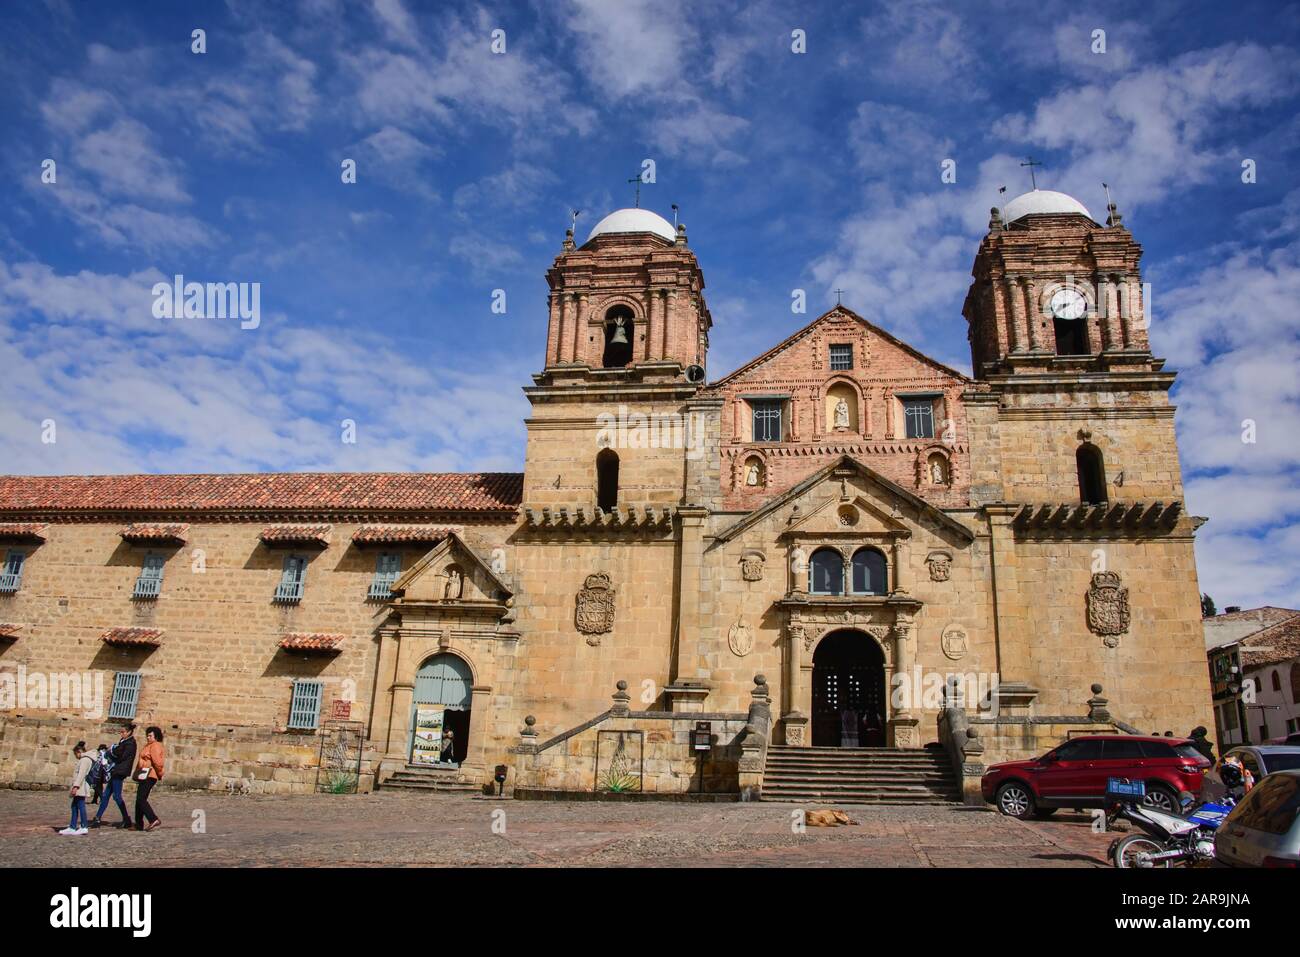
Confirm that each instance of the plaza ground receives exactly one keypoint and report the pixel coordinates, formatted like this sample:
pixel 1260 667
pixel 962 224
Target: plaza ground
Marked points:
pixel 397 829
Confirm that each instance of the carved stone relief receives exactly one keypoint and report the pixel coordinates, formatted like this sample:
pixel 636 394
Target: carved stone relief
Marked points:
pixel 595 611
pixel 1108 609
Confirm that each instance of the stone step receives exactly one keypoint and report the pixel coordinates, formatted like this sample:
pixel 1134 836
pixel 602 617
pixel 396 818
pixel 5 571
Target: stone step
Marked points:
pixel 837 799
pixel 399 784
pixel 813 763
pixel 860 776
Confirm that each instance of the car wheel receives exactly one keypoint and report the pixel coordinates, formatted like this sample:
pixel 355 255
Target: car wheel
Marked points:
pixel 1132 851
pixel 1160 798
pixel 1015 800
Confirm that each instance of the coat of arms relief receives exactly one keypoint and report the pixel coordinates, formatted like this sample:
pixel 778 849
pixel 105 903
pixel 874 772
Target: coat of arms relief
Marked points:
pixel 1108 611
pixel 595 612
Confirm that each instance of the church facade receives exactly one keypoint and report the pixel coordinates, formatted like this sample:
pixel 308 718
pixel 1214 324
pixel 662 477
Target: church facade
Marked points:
pixel 842 543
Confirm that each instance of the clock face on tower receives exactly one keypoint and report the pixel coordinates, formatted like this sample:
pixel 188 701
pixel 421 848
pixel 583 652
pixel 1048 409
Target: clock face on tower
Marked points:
pixel 1068 303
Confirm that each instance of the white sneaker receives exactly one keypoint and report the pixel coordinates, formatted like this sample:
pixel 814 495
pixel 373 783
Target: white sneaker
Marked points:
pixel 82 830
pixel 67 832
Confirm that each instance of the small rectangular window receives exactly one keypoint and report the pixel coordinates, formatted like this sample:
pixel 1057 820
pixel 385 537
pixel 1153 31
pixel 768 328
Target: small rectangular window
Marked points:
pixel 767 419
pixel 12 576
pixel 304 708
pixel 920 418
pixel 291 579
pixel 841 357
pixel 149 584
pixel 388 567
pixel 126 694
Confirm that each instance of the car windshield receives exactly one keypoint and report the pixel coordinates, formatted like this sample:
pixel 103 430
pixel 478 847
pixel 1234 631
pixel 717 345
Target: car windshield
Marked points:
pixel 1281 762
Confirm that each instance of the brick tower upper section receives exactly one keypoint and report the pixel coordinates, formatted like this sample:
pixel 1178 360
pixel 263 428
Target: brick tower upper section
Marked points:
pixel 1052 288
pixel 632 294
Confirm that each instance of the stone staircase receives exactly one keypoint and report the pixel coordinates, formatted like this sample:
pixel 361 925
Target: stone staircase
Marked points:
pixel 417 777
pixel 860 776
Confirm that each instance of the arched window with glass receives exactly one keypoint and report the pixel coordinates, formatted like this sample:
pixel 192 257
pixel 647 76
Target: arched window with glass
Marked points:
pixel 870 572
pixel 826 572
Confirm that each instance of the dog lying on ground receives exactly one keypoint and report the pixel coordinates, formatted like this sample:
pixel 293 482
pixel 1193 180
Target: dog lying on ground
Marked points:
pixel 832 817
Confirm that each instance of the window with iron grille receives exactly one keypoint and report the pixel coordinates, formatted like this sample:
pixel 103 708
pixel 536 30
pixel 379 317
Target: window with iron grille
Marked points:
pixel 767 419
pixel 304 707
pixel 126 694
pixel 12 576
pixel 919 414
pixel 291 579
pixel 841 357
pixel 149 584
pixel 388 567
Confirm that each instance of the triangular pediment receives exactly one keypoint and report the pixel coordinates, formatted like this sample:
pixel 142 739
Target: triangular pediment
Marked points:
pixel 884 503
pixel 451 571
pixel 855 515
pixel 844 317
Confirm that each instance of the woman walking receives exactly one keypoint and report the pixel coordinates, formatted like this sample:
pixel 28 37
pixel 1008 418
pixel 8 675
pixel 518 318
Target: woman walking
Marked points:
pixel 148 772
pixel 80 791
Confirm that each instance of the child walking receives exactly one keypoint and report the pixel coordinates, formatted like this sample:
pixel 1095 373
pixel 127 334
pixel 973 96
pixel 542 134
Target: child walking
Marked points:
pixel 80 791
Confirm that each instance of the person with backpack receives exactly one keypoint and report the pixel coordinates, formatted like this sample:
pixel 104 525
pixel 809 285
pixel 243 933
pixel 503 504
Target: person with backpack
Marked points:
pixel 80 790
pixel 98 773
pixel 122 756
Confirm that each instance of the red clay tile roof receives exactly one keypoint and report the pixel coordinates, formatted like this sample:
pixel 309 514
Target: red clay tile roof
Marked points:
pixel 9 631
pixel 150 637
pixel 26 530
pixel 147 532
pixel 274 534
pixel 1273 645
pixel 311 641
pixel 382 534
pixel 319 491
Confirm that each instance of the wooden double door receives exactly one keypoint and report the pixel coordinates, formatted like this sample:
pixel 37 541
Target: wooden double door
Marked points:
pixel 848 692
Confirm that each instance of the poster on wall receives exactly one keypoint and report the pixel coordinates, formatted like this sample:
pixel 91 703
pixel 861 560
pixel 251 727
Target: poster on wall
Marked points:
pixel 426 745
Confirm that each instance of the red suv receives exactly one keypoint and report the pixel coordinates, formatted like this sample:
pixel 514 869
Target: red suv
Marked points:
pixel 1074 774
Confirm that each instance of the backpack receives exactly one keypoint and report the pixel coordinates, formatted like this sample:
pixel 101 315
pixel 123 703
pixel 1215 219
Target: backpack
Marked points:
pixel 96 776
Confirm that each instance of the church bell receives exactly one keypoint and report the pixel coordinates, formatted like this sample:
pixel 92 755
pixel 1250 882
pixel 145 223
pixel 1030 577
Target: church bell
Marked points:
pixel 620 335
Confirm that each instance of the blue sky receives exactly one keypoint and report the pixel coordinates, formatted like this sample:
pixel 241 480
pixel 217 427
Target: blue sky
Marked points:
pixel 817 171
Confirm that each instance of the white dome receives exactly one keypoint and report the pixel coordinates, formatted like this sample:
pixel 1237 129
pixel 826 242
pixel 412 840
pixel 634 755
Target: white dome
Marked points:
pixel 634 221
pixel 1042 201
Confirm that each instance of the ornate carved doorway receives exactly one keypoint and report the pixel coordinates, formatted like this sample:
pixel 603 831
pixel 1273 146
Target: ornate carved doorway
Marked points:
pixel 848 692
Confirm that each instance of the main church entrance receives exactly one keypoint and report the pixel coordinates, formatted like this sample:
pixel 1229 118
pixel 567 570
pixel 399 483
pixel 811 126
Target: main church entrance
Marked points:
pixel 443 694
pixel 848 692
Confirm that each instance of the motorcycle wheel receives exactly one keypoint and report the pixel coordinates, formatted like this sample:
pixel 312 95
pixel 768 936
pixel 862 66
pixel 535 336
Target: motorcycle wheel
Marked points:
pixel 1130 851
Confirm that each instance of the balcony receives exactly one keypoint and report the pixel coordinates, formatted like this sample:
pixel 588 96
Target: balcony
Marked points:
pixel 381 588
pixel 9 583
pixel 288 592
pixel 146 588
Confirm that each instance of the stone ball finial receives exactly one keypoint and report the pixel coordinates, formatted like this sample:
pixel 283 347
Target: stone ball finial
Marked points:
pixel 1096 689
pixel 530 720
pixel 760 680
pixel 972 733
pixel 621 685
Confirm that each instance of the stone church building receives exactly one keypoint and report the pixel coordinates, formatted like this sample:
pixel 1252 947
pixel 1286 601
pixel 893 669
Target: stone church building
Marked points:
pixel 841 544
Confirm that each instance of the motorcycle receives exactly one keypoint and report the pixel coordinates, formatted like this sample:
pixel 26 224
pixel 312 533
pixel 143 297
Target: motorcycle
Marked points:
pixel 1165 839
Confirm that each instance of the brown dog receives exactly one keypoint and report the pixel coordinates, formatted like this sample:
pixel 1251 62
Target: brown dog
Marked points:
pixel 832 817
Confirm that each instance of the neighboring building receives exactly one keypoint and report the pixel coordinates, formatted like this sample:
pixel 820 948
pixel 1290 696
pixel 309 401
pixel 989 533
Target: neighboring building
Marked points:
pixel 839 512
pixel 1254 661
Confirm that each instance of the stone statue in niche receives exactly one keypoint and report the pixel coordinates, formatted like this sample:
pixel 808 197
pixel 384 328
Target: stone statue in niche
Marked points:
pixel 751 568
pixel 1108 609
pixel 936 471
pixel 455 583
pixel 940 564
pixel 753 474
pixel 595 607
pixel 841 414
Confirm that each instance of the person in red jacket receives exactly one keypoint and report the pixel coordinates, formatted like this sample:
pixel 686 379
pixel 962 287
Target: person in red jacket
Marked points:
pixel 148 772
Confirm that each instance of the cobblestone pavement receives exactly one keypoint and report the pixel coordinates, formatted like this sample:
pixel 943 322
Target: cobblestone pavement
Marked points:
pixel 424 830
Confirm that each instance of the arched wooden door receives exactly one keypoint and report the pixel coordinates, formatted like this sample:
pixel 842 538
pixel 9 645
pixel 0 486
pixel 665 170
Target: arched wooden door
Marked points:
pixel 848 692
pixel 443 694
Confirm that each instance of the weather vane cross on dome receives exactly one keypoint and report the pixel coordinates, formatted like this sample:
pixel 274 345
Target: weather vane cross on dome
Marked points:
pixel 1031 163
pixel 637 200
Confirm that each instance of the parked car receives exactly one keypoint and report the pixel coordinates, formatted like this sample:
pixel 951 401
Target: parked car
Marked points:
pixel 1075 773
pixel 1262 759
pixel 1264 829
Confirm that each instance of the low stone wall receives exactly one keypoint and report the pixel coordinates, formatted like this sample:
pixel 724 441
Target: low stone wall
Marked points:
pixel 37 753
pixel 665 764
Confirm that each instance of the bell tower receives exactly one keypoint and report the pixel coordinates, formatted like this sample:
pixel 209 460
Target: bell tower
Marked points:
pixel 617 421
pixel 631 296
